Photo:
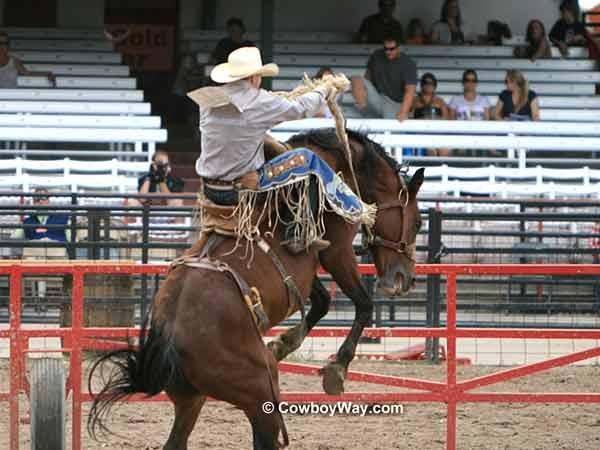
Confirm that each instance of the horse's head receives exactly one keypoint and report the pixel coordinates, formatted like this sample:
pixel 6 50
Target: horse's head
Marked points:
pixel 392 240
pixel 381 181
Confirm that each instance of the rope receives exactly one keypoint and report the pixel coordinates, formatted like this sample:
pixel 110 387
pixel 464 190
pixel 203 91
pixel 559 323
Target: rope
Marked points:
pixel 341 84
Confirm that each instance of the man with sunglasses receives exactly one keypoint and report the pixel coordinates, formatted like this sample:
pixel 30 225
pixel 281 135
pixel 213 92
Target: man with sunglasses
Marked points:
pixel 375 27
pixel 11 67
pixel 388 87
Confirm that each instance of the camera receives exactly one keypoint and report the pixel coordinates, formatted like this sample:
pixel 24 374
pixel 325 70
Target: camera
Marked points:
pixel 160 172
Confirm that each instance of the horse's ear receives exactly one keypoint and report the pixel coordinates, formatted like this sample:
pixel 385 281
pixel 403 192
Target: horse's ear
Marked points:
pixel 416 181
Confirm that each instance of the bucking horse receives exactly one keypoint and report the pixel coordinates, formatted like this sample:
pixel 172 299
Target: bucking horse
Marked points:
pixel 203 336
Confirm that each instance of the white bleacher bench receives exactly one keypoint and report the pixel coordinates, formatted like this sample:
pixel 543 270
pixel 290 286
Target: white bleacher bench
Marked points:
pixel 95 70
pixel 90 108
pixel 82 121
pixel 440 62
pixel 446 87
pixel 553 108
pixel 536 76
pixel 91 95
pixel 54 33
pixel 79 82
pixel 474 51
pixel 98 45
pixel 522 136
pixel 278 36
pixel 73 183
pixel 137 137
pixel 53 56
pixel 66 167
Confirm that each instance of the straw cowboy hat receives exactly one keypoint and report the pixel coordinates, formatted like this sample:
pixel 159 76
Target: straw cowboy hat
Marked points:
pixel 242 63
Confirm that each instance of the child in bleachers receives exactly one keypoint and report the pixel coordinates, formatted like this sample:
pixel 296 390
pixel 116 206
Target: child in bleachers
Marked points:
pixel 416 32
pixel 568 31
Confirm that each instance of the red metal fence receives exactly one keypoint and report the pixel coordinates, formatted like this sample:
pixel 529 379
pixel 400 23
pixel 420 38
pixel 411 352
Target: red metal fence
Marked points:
pixel 76 338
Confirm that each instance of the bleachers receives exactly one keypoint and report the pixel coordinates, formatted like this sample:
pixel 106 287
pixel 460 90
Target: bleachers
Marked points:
pixel 516 138
pixel 95 101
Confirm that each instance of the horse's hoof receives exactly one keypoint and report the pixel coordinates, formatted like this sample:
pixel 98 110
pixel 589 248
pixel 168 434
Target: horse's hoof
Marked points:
pixel 333 378
pixel 278 349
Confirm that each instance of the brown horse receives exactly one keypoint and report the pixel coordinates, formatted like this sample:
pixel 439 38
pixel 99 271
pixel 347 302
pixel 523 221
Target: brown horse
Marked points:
pixel 201 338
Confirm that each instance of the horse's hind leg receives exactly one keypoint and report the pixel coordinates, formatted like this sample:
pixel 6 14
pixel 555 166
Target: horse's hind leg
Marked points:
pixel 291 339
pixel 187 408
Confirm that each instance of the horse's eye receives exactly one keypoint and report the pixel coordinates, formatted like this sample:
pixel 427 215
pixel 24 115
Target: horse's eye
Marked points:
pixel 418 225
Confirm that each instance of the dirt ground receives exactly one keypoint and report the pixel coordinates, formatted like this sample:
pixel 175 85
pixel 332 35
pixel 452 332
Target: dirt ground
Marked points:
pixel 422 426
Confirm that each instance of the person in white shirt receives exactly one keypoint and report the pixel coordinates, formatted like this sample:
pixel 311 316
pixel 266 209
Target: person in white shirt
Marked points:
pixel 470 105
pixel 11 67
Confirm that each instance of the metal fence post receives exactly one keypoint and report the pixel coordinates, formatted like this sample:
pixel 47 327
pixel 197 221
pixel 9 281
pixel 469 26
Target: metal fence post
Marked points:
pixel 434 245
pixel 145 252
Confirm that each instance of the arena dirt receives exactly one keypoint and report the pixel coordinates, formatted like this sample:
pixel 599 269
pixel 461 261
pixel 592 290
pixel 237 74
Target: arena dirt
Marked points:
pixel 421 426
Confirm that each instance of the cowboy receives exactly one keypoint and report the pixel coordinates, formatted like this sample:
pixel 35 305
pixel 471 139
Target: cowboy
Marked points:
pixel 234 120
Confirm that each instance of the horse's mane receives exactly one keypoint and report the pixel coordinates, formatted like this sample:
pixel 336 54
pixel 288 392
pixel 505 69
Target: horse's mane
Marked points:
pixel 326 139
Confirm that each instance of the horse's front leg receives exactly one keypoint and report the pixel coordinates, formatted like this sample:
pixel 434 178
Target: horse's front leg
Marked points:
pixel 345 272
pixel 291 339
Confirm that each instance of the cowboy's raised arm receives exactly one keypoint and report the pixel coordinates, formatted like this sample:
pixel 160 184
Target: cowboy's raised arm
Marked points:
pixel 276 109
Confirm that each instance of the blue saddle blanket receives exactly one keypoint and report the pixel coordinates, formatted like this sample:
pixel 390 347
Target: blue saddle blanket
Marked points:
pixel 297 165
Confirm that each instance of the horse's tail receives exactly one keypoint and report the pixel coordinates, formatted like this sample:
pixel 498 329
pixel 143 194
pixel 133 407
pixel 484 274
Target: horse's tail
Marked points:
pixel 148 369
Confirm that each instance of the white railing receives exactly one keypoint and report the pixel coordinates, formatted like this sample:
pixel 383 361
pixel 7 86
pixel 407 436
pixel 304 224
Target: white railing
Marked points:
pixel 492 136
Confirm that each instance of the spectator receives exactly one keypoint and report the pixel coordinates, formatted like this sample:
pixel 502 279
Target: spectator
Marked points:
pixel 538 45
pixel 568 30
pixel 450 29
pixel 325 111
pixel 37 225
pixel 496 32
pixel 388 87
pixel 235 30
pixel 159 179
pixel 470 105
pixel 431 107
pixel 416 32
pixel 517 101
pixel 374 28
pixel 428 105
pixel 11 67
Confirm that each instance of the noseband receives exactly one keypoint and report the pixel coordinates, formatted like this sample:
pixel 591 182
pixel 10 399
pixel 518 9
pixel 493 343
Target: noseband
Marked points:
pixel 401 246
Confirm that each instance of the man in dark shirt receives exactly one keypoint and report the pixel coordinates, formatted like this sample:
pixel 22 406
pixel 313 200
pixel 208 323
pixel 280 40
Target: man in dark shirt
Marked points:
pixel 159 179
pixel 389 85
pixel 374 28
pixel 235 31
pixel 567 31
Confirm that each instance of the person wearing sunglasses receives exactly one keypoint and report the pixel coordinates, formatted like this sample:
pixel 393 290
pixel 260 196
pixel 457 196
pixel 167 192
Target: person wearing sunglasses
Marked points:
pixel 430 106
pixel 470 105
pixel 11 67
pixel 375 27
pixel 388 87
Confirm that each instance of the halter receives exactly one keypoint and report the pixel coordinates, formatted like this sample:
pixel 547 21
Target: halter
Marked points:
pixel 401 246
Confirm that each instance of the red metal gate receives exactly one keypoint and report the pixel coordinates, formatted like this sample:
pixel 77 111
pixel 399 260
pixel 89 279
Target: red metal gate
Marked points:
pixel 76 338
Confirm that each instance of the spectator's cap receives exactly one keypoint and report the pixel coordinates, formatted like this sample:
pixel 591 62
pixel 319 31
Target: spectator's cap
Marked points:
pixel 242 63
